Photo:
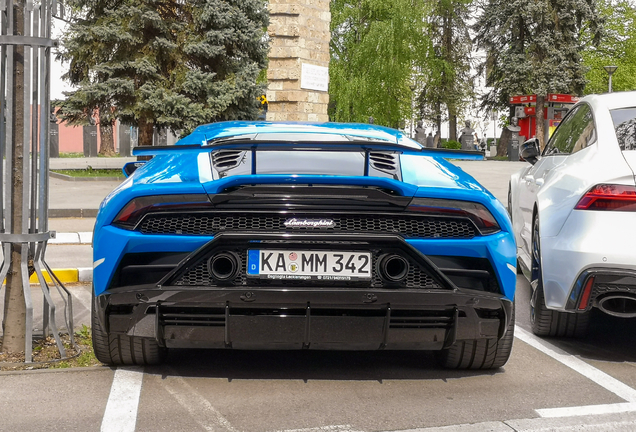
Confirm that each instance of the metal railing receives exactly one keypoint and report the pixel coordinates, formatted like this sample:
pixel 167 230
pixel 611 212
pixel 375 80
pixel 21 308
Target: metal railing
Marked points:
pixel 28 43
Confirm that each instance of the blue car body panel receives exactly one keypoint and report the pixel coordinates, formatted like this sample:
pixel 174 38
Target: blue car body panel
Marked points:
pixel 237 128
pixel 426 255
pixel 177 172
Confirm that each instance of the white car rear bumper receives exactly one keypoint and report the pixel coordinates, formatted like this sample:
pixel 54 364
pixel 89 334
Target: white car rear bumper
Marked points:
pixel 588 240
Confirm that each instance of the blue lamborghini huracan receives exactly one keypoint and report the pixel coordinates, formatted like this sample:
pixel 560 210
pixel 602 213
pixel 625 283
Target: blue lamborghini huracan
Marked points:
pixel 260 235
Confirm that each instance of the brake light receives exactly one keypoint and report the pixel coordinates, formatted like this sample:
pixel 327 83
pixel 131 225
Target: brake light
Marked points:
pixel 137 208
pixel 609 197
pixel 479 214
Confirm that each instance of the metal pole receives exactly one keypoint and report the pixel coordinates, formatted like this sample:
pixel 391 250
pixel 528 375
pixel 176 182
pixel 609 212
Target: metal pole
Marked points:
pixel 610 70
pixel 29 234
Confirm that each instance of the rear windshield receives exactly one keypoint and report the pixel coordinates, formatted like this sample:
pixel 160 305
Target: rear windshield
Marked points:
pixel 625 126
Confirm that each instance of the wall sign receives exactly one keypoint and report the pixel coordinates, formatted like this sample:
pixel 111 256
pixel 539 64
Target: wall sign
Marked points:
pixel 314 77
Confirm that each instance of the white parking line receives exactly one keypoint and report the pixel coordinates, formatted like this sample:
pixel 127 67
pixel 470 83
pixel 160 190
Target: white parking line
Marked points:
pixel 587 410
pixel 199 408
pixel 331 428
pixel 123 401
pixel 588 371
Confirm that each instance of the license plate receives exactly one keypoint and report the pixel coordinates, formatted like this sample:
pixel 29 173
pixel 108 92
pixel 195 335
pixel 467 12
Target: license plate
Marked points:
pixel 308 265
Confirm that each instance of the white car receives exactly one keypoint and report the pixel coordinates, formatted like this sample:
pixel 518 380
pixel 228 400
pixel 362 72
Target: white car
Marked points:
pixel 573 211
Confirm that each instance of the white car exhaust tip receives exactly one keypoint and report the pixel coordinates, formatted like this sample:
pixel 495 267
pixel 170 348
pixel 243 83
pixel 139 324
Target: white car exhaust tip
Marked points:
pixel 618 305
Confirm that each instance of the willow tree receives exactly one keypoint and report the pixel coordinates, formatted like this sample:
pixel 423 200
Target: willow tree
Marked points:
pixel 377 49
pixel 535 48
pixel 167 64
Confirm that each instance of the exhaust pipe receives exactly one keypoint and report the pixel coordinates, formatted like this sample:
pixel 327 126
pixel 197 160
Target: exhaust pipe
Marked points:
pixel 393 268
pixel 223 267
pixel 618 305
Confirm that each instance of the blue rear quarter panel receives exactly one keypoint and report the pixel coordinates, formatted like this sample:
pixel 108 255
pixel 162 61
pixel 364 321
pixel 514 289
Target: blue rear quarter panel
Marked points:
pixel 174 172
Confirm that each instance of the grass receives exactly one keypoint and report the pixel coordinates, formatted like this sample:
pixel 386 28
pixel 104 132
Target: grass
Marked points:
pixel 46 354
pixel 90 172
pixel 81 155
pixel 86 357
pixel 71 155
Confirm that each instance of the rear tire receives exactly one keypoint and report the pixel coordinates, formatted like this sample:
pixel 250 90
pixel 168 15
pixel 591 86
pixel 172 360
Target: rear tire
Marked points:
pixel 546 322
pixel 118 349
pixel 480 353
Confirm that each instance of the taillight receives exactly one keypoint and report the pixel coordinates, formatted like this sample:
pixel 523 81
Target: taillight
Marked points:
pixel 135 210
pixel 481 217
pixel 609 197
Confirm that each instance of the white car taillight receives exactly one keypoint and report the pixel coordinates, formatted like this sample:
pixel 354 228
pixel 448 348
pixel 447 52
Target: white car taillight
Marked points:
pixel 609 197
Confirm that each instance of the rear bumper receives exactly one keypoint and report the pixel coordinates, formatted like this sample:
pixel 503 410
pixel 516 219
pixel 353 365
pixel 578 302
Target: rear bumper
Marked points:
pixel 589 240
pixel 326 318
pixel 604 283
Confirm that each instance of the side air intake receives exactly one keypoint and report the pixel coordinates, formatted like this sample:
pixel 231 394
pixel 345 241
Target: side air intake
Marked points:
pixel 224 160
pixel 385 162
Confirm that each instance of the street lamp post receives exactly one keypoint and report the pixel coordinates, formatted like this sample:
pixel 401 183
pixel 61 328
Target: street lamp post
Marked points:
pixel 493 117
pixel 610 70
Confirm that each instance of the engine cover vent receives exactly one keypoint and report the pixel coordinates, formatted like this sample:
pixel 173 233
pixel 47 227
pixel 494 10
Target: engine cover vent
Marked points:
pixel 224 160
pixel 385 162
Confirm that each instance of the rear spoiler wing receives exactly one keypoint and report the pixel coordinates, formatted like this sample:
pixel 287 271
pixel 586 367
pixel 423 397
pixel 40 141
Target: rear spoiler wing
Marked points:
pixel 365 147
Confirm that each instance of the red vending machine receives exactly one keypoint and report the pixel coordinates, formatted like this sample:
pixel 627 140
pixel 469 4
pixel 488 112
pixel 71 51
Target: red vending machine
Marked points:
pixel 557 105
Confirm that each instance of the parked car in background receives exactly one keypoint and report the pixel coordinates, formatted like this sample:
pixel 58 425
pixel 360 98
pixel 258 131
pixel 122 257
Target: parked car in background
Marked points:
pixel 257 235
pixel 573 210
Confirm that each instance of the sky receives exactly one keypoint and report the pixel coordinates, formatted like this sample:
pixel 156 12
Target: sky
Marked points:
pixel 57 69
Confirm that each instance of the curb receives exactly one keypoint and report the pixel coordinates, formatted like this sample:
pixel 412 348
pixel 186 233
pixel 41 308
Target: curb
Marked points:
pixel 61 238
pixel 66 276
pixel 72 213
pixel 70 178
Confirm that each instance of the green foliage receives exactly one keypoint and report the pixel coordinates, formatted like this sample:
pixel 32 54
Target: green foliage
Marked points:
pixel 71 155
pixel 535 47
pixel 451 144
pixel 617 48
pixel 86 357
pixel 447 85
pixel 175 64
pixel 376 48
pixel 84 334
pixel 90 172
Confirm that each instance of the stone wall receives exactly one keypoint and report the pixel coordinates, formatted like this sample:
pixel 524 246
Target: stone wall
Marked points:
pixel 299 32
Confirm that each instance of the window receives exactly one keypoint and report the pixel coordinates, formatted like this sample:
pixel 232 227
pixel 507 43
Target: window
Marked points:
pixel 575 133
pixel 625 126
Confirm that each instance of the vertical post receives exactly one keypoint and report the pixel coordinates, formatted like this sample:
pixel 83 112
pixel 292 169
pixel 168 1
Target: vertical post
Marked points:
pixel 3 135
pixel 44 53
pixel 298 71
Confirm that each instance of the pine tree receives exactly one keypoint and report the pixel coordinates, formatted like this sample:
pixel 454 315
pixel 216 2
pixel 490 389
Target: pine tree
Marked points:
pixel 165 63
pixel 535 48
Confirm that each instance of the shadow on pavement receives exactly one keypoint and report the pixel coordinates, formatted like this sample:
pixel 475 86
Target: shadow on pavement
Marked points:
pixel 609 339
pixel 308 365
